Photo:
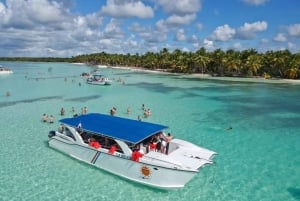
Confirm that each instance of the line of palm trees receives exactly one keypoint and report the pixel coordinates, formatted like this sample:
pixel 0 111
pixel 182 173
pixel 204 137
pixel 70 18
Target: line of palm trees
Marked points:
pixel 246 63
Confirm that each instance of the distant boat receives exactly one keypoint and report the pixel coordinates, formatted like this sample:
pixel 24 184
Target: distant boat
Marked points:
pixel 126 148
pixel 97 79
pixel 102 66
pixel 4 71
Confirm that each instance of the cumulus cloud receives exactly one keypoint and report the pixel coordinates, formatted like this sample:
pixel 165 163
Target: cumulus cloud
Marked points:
pixel 180 20
pixel 223 33
pixel 280 37
pixel 294 30
pixel 248 30
pixel 33 13
pixel 180 7
pixel 255 2
pixel 126 9
pixel 154 37
pixel 208 44
pixel 180 36
pixel 45 28
pixel 113 30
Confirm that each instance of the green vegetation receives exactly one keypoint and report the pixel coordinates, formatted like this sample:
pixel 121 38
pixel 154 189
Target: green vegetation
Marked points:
pixel 246 63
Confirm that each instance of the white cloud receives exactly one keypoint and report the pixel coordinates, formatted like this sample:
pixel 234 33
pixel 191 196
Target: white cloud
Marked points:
pixel 294 30
pixel 180 7
pixel 180 20
pixel 126 9
pixel 208 44
pixel 223 33
pixel 180 36
pixel 237 46
pixel 185 49
pixel 33 13
pixel 280 37
pixel 113 30
pixel 255 2
pixel 248 30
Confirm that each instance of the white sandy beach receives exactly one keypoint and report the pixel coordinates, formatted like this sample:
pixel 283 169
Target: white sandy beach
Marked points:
pixel 204 76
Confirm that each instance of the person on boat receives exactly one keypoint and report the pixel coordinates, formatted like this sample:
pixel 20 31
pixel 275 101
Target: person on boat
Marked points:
pixel 94 143
pixel 61 128
pixel 152 146
pixel 136 155
pixel 163 142
pixel 44 118
pixel 112 149
pixel 169 137
pixel 62 111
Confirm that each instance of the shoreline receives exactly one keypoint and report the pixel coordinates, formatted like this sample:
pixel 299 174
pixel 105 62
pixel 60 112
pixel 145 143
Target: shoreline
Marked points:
pixel 209 77
pixel 205 76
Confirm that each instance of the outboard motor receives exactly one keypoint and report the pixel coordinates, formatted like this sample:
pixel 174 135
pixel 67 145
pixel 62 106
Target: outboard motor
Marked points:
pixel 51 134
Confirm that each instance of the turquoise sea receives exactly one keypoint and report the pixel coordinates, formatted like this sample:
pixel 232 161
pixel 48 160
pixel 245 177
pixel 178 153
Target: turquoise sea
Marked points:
pixel 257 160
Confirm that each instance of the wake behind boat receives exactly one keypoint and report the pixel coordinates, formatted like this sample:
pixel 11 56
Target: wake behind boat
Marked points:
pixel 135 150
pixel 97 79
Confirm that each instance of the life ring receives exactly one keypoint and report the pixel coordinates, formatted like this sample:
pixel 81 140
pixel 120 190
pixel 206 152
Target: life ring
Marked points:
pixel 146 172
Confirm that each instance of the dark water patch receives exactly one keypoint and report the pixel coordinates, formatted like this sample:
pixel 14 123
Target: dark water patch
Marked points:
pixel 295 192
pixel 257 105
pixel 51 77
pixel 288 122
pixel 10 103
pixel 155 87
pixel 83 99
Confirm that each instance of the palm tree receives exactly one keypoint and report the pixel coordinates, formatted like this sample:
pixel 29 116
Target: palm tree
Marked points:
pixel 253 64
pixel 201 60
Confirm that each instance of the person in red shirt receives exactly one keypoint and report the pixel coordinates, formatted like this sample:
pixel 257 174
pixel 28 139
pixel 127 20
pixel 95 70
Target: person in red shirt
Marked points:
pixel 94 143
pixel 112 149
pixel 136 155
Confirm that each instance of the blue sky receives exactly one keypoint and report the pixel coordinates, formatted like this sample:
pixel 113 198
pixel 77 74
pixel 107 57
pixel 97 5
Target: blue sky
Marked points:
pixel 64 28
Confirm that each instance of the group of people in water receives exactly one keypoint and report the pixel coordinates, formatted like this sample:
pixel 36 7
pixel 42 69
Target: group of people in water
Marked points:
pixel 62 112
pixel 48 118
pixel 84 110
pixel 146 112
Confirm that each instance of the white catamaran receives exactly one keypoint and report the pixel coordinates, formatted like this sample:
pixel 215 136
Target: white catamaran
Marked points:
pixel 126 148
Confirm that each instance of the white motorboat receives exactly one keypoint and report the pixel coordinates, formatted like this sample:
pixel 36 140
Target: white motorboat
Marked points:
pixel 124 149
pixel 4 71
pixel 98 80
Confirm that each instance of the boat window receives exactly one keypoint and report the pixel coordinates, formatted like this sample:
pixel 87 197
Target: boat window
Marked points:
pixel 69 134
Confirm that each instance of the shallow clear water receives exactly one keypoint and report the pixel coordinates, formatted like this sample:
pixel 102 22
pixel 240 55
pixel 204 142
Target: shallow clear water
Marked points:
pixel 257 160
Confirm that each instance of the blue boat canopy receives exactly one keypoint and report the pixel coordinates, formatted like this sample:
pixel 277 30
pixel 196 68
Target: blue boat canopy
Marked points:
pixel 127 130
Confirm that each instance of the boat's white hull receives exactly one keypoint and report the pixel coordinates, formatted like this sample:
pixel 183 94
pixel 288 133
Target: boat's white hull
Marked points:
pixel 121 165
pixel 5 72
pixel 99 82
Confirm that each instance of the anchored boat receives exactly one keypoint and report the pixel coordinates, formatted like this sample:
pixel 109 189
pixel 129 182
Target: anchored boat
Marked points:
pixel 5 71
pixel 135 150
pixel 98 80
